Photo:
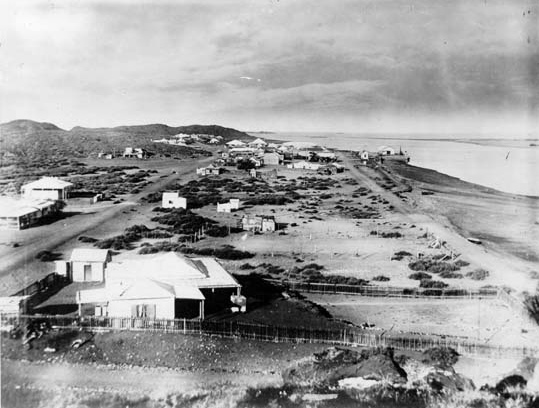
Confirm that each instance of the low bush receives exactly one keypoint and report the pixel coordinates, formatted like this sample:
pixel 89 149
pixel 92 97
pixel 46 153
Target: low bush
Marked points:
pixel 478 274
pixel 419 276
pixel 83 238
pixel 380 278
pixel 433 266
pixel 451 275
pixel 247 266
pixel 432 284
pixel 225 252
pixel 461 263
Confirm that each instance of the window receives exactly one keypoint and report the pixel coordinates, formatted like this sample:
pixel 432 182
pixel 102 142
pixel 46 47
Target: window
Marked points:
pixel 143 311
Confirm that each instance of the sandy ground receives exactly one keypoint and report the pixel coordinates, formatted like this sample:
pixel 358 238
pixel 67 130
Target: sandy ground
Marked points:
pixel 487 320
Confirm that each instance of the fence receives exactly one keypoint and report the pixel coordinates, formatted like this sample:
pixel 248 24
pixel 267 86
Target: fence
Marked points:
pixel 389 291
pixel 52 279
pixel 40 290
pixel 349 336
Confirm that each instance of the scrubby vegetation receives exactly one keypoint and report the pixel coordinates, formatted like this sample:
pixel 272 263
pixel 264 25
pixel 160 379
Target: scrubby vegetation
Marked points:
pixel 381 278
pixel 185 222
pixel 130 235
pixel 398 256
pixel 432 265
pixel 432 284
pixel 419 276
pixel 478 274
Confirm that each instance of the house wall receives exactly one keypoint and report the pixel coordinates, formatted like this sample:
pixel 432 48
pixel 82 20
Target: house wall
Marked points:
pixel 164 307
pixel 56 194
pixel 171 200
pixel 98 269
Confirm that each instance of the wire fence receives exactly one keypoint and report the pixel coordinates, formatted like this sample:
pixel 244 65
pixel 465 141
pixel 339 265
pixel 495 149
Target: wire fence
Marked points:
pixel 389 291
pixel 350 336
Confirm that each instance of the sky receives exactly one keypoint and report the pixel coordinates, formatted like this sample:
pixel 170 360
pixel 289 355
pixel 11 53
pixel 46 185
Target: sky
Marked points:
pixel 428 66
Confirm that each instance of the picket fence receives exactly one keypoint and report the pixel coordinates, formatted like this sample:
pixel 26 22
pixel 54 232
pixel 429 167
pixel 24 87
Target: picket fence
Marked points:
pixel 350 336
pixel 388 291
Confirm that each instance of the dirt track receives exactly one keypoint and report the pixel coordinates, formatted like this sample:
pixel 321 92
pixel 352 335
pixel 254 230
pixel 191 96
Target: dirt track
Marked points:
pixel 505 269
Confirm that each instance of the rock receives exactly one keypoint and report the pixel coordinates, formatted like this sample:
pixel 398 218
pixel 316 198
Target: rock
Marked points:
pixel 442 357
pixel 334 364
pixel 509 383
pixel 448 381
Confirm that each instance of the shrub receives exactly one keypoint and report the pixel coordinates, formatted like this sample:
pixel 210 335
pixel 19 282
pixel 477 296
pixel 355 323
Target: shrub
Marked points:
pixel 432 284
pixel 225 252
pixel 451 275
pixel 433 266
pixel 461 263
pixel 148 250
pixel 247 266
pixel 419 276
pixel 478 274
pixel 83 238
pixel 381 278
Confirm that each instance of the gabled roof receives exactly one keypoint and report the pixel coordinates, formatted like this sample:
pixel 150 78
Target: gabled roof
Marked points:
pixel 236 142
pixel 258 141
pixel 48 182
pixel 173 269
pixel 89 255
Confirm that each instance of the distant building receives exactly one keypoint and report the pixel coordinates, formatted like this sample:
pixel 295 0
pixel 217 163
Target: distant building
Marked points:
pixel 164 286
pixel 18 214
pixel 364 155
pixel 386 151
pixel 210 170
pixel 233 204
pixel 304 165
pixel 236 143
pixel 258 223
pixel 214 140
pixel 104 155
pixel 273 159
pixel 172 199
pixel 258 143
pixel 135 152
pixel 326 156
pixel 47 188
pixel 88 264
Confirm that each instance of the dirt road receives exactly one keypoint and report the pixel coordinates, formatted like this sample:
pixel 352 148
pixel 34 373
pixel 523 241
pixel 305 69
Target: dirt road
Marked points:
pixel 51 236
pixel 504 269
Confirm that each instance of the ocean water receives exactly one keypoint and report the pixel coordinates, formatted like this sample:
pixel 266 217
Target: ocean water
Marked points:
pixel 510 165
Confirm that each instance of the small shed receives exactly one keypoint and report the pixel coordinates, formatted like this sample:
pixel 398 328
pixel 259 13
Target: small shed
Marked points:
pixel 48 188
pixel 89 264
pixel 172 199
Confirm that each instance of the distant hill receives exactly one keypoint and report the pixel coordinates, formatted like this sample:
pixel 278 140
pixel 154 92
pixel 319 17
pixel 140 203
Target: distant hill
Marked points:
pixel 31 143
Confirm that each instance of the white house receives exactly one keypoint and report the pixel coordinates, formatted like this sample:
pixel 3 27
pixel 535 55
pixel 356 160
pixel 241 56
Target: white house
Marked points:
pixel 18 214
pixel 47 188
pixel 386 151
pixel 364 155
pixel 258 143
pixel 134 152
pixel 233 204
pixel 305 165
pixel 272 159
pixel 164 286
pixel 258 223
pixel 172 199
pixel 88 264
pixel 236 143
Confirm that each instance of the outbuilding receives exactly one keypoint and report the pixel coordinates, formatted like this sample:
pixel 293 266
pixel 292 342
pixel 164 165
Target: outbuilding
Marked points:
pixel 172 199
pixel 88 264
pixel 47 188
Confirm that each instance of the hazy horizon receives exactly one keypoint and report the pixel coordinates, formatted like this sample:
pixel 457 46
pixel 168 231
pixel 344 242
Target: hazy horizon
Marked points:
pixel 291 65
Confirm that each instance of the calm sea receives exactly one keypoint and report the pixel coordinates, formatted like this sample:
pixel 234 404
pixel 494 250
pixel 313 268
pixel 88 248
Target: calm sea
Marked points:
pixel 510 165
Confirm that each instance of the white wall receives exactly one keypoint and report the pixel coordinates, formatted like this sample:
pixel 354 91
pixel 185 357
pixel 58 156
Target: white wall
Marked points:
pixel 171 200
pixel 97 271
pixel 164 307
pixel 43 194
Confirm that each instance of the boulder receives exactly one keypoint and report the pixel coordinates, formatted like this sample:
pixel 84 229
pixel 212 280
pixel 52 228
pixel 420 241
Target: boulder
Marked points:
pixel 327 368
pixel 448 381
